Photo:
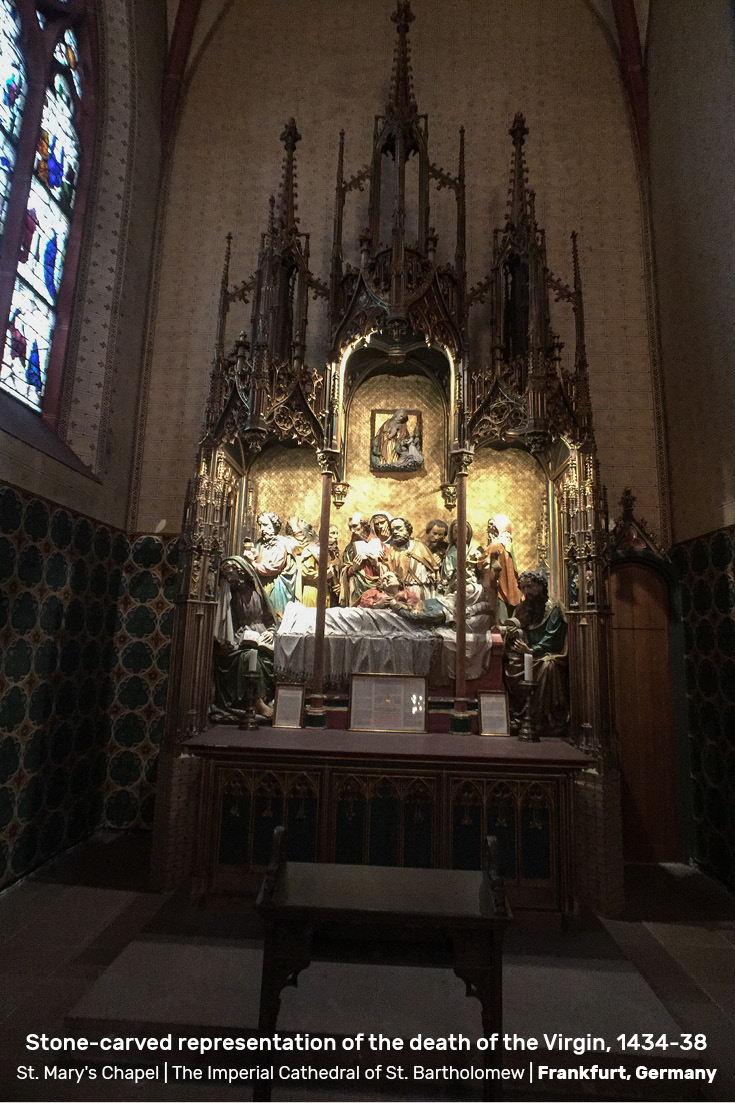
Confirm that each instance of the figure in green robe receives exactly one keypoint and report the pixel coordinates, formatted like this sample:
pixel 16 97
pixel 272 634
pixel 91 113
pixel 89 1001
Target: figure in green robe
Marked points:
pixel 243 643
pixel 539 629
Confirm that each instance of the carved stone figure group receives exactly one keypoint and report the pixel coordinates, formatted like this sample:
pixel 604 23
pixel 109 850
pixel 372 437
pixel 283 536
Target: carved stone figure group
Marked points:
pixel 384 565
pixel 396 445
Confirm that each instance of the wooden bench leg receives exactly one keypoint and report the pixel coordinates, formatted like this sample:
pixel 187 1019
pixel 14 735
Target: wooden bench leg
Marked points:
pixel 478 961
pixel 286 953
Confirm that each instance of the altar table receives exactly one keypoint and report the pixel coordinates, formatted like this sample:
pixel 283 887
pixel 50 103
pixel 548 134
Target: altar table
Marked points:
pixel 389 799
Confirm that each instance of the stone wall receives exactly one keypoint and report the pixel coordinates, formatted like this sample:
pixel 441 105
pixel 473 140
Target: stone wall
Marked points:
pixel 329 64
pixel 692 98
pixel 691 65
pixel 706 568
pixel 86 617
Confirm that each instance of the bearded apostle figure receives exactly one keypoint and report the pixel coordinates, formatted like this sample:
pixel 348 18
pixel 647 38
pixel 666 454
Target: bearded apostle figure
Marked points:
pixel 411 561
pixel 274 563
pixel 361 560
pixel 537 629
pixel 334 571
pixel 448 571
pixel 305 549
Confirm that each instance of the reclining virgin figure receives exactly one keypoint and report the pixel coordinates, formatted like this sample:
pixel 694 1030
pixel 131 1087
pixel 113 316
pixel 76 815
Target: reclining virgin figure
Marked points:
pixel 390 630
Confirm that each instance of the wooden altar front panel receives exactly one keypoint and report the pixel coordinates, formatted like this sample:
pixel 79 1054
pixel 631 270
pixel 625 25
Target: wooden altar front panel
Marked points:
pixel 387 799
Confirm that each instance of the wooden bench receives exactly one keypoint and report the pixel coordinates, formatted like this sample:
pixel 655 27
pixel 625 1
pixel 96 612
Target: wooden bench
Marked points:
pixel 313 909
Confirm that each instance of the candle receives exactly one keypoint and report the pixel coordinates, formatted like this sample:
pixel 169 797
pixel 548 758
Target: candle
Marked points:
pixel 253 660
pixel 528 667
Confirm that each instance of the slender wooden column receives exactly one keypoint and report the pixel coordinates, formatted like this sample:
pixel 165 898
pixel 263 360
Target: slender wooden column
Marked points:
pixel 460 720
pixel 316 716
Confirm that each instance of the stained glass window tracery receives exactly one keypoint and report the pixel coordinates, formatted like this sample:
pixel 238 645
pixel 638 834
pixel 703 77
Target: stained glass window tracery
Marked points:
pixel 50 196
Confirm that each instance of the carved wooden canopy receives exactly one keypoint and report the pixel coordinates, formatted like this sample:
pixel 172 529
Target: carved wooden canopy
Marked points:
pixel 399 297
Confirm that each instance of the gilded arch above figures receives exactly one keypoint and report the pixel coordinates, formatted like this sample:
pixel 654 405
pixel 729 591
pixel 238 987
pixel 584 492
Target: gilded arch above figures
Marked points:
pixel 414 492
pixel 396 358
pixel 509 480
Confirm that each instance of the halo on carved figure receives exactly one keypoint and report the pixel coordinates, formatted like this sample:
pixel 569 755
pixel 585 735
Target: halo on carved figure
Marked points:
pixel 396 441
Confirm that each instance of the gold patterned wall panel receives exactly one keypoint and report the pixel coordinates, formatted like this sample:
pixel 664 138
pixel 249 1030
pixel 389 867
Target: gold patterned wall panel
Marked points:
pixel 286 481
pixel 413 494
pixel 510 482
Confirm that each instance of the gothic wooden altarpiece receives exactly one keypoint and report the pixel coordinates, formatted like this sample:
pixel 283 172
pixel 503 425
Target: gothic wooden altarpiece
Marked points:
pixel 399 305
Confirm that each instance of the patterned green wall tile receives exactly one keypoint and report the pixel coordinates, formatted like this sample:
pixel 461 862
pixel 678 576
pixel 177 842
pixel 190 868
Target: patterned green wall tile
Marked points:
pixel 86 617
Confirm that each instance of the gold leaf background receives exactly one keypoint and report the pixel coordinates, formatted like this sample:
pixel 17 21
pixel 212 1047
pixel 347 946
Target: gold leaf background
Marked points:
pixel 288 481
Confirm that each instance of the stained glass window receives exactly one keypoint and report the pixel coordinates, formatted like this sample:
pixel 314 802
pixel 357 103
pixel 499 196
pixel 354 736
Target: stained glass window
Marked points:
pixel 27 345
pixel 67 55
pixel 49 201
pixel 13 93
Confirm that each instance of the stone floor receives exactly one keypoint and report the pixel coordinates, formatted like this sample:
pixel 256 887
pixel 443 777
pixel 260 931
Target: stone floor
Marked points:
pixel 89 951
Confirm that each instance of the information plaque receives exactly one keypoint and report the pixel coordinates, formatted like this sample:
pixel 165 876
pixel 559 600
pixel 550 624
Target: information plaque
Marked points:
pixel 493 712
pixel 387 703
pixel 289 707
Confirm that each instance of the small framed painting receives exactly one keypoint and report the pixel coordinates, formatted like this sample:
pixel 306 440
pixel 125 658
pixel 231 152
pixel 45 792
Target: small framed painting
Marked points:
pixel 493 713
